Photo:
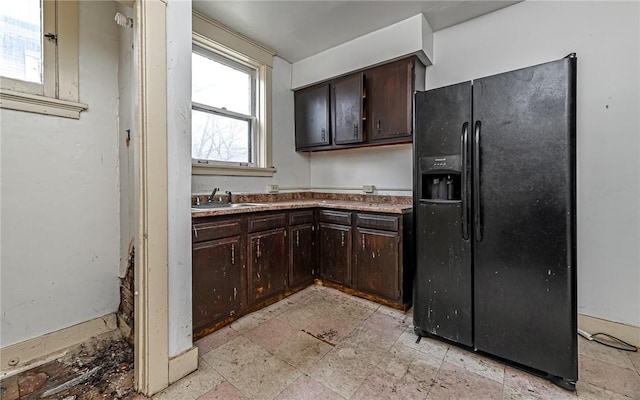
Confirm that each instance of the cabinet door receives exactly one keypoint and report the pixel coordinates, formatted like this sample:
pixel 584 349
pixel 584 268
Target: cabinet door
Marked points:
pixel 312 116
pixel 377 265
pixel 302 255
pixel 390 99
pixel 218 281
pixel 346 109
pixel 267 264
pixel 335 253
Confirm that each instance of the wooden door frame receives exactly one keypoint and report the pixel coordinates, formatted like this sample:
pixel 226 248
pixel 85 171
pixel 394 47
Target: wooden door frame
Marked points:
pixel 151 350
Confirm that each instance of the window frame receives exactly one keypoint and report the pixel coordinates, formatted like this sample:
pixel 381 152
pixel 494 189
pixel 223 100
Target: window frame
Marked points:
pixel 251 118
pixel 58 93
pixel 212 36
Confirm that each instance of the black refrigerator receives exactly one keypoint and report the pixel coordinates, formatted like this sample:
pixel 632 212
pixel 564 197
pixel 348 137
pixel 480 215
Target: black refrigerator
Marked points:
pixel 495 217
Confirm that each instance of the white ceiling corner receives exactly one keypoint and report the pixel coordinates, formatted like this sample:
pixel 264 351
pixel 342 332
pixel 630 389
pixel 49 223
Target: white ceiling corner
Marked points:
pixel 300 29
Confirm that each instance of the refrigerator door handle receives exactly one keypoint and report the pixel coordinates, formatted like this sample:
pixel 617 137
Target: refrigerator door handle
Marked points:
pixel 465 208
pixel 477 219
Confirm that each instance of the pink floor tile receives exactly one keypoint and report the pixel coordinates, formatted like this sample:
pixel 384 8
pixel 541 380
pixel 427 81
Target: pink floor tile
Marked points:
pixel 455 382
pixel 381 385
pixel 224 391
pixel 635 360
pixel 385 326
pixel 328 329
pixel 215 340
pixel 521 385
pixel 271 333
pixel 610 377
pixel 307 388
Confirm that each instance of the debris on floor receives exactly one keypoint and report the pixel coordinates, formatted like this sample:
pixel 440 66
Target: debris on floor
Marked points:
pixel 101 368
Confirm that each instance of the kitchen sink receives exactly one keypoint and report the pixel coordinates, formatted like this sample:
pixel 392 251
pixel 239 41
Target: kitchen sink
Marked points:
pixel 215 206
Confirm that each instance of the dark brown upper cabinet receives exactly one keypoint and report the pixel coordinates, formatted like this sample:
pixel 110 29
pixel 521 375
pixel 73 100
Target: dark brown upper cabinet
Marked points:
pixel 347 109
pixel 391 89
pixel 312 117
pixel 371 107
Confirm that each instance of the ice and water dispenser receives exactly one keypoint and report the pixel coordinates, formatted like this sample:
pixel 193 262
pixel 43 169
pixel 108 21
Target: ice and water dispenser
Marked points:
pixel 440 178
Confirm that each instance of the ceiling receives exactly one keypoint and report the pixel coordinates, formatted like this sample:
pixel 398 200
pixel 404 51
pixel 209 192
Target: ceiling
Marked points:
pixel 299 29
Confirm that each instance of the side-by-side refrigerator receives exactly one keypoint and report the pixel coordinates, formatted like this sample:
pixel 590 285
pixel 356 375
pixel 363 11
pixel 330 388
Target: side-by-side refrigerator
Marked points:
pixel 495 217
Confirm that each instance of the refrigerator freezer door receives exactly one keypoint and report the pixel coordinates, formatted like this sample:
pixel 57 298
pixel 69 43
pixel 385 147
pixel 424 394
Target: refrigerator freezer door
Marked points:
pixel 443 278
pixel 524 260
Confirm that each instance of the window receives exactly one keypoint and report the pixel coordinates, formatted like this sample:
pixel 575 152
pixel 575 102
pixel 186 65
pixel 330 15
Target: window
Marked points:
pixel 224 109
pixel 22 40
pixel 39 69
pixel 231 102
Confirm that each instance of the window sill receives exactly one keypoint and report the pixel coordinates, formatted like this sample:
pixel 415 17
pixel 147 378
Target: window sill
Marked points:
pixel 40 104
pixel 231 170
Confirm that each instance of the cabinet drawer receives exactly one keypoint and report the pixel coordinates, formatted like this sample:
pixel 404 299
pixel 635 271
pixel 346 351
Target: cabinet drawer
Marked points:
pixel 301 217
pixel 336 217
pixel 375 221
pixel 201 232
pixel 264 222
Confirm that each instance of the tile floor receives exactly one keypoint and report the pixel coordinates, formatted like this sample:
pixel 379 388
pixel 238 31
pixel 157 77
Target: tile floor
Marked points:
pixel 323 344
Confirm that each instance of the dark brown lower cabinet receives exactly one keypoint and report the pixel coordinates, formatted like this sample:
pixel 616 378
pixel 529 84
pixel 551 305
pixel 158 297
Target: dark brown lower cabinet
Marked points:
pixel 218 281
pixel 244 262
pixel 267 267
pixel 369 253
pixel 301 254
pixel 335 252
pixel 377 263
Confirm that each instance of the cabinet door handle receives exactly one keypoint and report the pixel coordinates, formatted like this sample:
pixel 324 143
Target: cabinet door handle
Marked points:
pixel 364 240
pixel 342 238
pixel 323 133
pixel 195 232
pixel 355 130
pixel 378 125
pixel 235 292
pixel 233 254
pixel 258 253
pixel 298 238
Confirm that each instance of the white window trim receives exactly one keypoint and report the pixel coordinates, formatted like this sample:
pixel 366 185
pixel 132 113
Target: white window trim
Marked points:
pixel 58 94
pixel 213 36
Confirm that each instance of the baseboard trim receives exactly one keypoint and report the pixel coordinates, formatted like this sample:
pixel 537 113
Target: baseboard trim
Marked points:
pixel 628 333
pixel 183 364
pixel 45 348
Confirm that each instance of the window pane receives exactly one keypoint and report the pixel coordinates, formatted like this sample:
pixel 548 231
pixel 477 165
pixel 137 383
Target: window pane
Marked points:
pixel 219 138
pixel 21 35
pixel 218 85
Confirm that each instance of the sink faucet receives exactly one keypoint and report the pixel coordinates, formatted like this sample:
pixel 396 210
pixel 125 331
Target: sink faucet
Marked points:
pixel 210 198
pixel 228 193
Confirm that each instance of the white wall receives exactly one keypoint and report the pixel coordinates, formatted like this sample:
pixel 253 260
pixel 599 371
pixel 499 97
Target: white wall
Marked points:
pixel 126 121
pixel 389 168
pixel 60 206
pixel 410 36
pixel 179 174
pixel 606 38
pixel 292 168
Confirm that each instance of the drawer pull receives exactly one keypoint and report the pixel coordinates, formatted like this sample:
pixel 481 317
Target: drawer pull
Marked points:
pixel 195 231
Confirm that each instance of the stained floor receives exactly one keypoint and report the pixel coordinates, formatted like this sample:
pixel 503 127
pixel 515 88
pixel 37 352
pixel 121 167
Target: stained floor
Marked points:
pixel 101 368
pixel 323 344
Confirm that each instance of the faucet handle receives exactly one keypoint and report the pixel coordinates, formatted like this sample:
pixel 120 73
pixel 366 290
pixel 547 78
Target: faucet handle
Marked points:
pixel 228 193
